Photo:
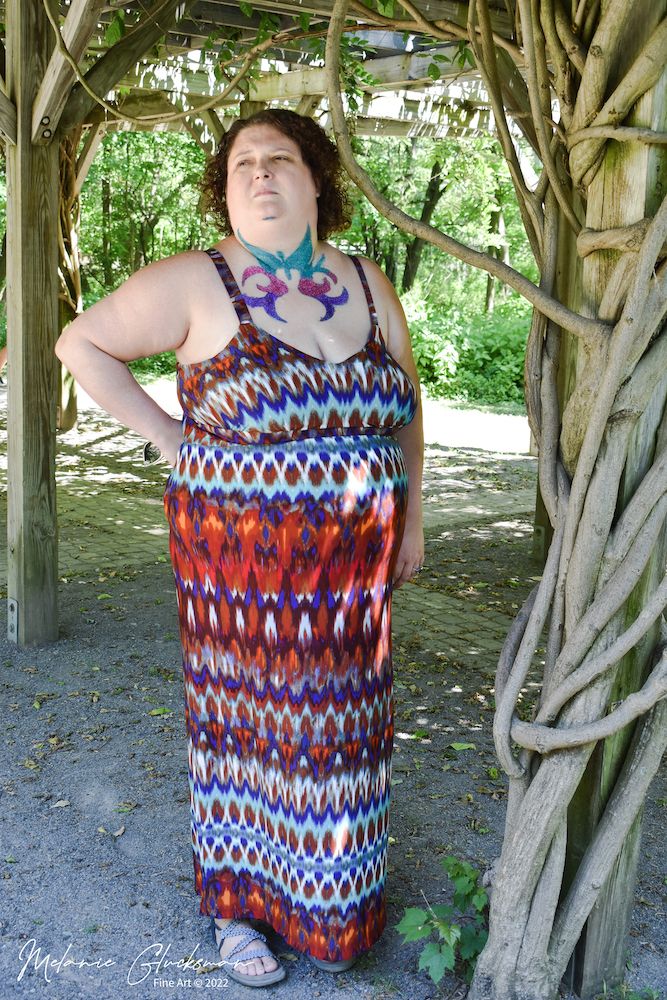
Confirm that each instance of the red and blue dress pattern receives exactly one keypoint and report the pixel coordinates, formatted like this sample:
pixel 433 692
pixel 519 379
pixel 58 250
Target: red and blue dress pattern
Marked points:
pixel 286 509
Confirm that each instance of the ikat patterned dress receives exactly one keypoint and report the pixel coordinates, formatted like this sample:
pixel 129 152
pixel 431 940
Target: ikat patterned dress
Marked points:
pixel 286 508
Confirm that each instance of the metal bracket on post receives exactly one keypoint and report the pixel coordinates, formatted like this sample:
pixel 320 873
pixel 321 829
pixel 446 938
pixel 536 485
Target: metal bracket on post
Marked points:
pixel 12 619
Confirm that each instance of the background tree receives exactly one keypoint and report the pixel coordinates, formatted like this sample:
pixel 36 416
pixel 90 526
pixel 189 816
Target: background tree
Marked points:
pixel 140 203
pixel 596 391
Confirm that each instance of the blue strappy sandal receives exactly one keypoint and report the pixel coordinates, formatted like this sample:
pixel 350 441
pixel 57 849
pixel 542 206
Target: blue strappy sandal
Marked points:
pixel 246 934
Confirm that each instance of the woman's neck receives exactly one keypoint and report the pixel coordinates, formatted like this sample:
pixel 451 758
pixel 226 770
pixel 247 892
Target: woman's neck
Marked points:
pixel 304 257
pixel 301 269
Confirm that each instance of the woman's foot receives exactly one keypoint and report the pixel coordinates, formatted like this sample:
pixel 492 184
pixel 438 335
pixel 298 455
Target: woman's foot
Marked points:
pixel 245 962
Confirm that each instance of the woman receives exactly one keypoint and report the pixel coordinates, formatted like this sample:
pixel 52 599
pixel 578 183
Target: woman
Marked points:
pixel 290 522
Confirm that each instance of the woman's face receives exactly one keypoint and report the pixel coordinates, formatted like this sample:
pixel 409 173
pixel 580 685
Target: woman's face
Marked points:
pixel 268 182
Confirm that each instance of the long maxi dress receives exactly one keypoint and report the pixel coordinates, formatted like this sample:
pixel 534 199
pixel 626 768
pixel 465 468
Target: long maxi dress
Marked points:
pixel 286 508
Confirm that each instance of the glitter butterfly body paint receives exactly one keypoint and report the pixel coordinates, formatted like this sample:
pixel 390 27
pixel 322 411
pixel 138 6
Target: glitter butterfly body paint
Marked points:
pixel 300 261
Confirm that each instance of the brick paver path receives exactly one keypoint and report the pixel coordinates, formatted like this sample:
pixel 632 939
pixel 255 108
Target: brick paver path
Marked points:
pixel 111 516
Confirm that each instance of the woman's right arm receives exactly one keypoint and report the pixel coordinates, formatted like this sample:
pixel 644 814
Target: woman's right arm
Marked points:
pixel 149 313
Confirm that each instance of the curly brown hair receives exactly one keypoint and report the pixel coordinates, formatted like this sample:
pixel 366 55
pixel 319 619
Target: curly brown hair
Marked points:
pixel 318 152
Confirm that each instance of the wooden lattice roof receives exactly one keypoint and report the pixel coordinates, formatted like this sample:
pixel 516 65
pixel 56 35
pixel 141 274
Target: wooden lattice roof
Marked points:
pixel 152 59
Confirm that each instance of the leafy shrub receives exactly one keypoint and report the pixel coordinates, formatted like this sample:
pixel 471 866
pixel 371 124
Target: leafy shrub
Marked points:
pixel 148 369
pixel 490 359
pixel 466 356
pixel 462 935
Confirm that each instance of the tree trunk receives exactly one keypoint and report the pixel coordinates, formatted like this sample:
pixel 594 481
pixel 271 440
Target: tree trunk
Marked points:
pixel 106 234
pixel 501 251
pixel 434 192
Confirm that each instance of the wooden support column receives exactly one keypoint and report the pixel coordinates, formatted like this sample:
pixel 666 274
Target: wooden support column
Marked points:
pixel 32 326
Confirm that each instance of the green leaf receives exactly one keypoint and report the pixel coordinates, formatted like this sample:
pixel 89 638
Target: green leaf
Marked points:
pixel 160 711
pixel 414 925
pixel 437 959
pixel 304 21
pixel 480 899
pixel 462 746
pixel 116 28
pixel 463 884
pixel 246 9
pixel 451 933
pixel 472 942
pixel 434 71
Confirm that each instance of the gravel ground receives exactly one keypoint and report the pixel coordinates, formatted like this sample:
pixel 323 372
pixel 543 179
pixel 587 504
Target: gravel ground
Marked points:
pixel 94 826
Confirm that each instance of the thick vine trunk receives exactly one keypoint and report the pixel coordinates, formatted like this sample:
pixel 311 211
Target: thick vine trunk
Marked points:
pixel 572 788
pixel 70 298
pixel 597 223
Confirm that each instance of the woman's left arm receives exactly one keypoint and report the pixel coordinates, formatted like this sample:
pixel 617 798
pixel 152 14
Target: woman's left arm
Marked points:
pixel 411 437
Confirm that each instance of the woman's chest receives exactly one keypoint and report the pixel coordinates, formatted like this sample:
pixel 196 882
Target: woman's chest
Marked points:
pixel 324 319
pixel 259 390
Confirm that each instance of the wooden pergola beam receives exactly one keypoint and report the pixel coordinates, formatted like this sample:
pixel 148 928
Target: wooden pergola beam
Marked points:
pixel 32 329
pixel 405 70
pixel 308 105
pixel 213 124
pixel 57 81
pixel 120 58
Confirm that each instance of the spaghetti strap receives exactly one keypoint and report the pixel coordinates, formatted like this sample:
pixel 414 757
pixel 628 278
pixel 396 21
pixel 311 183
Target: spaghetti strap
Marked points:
pixel 367 292
pixel 230 284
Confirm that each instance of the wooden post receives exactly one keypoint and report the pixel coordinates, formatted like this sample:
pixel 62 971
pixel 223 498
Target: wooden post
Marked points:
pixel 32 325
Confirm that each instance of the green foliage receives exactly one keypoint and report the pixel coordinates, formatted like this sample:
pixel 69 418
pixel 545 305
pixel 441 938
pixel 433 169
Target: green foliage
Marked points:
pixel 625 992
pixel 467 356
pixel 139 204
pixel 116 28
pixel 461 935
pixel 148 369
pixel 461 351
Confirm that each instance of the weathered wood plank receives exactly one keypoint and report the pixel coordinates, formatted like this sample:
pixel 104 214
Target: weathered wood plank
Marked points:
pixel 7 118
pixel 32 328
pixel 404 70
pixel 308 105
pixel 213 124
pixel 119 59
pixel 56 84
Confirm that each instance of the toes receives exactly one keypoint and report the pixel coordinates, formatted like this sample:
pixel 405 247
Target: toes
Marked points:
pixel 257 966
pixel 253 967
